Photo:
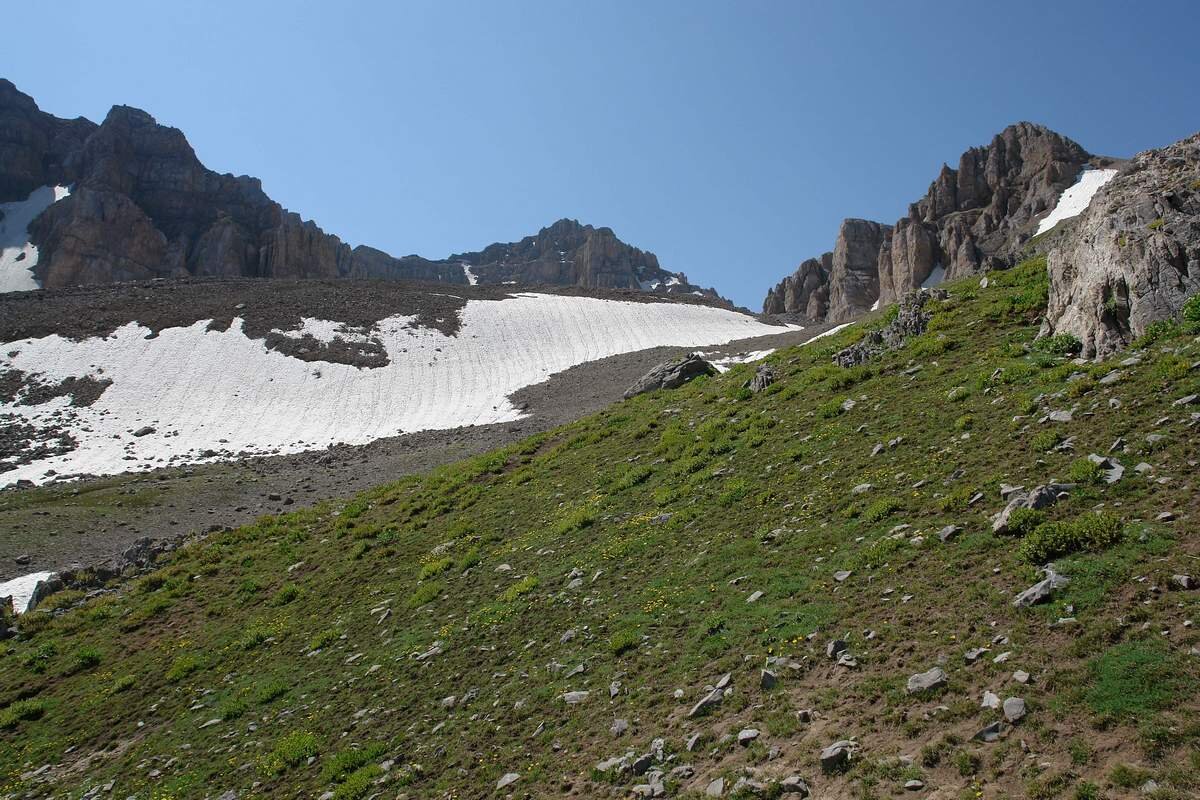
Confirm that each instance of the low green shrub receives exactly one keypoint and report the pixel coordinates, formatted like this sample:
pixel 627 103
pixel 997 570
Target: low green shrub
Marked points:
pixel 1090 533
pixel 1061 344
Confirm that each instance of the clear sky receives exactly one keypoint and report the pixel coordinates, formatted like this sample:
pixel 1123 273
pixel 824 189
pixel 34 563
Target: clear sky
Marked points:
pixel 729 138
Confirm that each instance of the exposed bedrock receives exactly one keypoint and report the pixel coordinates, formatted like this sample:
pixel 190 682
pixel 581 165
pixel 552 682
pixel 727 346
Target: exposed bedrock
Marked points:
pixel 1133 256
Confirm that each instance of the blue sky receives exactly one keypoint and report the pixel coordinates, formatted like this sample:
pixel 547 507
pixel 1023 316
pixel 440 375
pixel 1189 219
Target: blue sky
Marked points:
pixel 729 138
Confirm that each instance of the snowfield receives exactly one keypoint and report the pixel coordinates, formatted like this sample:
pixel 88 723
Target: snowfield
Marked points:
pixel 17 256
pixel 210 395
pixel 1075 199
pixel 21 589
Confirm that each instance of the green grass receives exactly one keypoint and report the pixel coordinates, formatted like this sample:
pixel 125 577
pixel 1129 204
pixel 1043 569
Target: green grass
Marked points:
pixel 1135 679
pixel 675 508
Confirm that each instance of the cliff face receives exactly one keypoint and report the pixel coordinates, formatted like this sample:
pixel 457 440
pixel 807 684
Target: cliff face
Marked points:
pixel 143 206
pixel 977 217
pixel 971 219
pixel 838 285
pixel 1133 256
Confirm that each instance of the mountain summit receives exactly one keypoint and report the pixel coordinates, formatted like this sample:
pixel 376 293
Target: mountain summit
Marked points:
pixel 141 205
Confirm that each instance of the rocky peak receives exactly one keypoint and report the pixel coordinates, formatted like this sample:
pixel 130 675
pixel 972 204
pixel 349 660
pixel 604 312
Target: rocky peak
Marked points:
pixel 570 253
pixel 972 218
pixel 144 206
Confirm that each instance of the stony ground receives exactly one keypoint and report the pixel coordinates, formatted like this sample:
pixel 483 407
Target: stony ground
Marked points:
pixel 704 592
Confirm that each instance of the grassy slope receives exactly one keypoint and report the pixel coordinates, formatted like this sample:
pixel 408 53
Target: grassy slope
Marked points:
pixel 299 633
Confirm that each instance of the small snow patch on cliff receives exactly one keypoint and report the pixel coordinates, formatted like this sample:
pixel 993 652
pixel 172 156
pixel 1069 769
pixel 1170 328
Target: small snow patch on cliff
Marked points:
pixel 1076 198
pixel 17 255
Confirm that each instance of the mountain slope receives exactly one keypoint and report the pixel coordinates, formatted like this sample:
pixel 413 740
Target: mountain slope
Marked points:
pixel 507 625
pixel 143 206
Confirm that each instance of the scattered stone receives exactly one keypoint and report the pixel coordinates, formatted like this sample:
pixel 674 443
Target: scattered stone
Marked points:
pixel 1021 676
pixel 976 653
pixel 1014 709
pixel 842 575
pixel 1059 416
pixel 1041 591
pixel 1110 467
pixel 835 648
pixel 838 755
pixel 862 488
pixel 754 597
pixel 618 727
pixel 145 430
pixel 914 785
pixel 692 742
pixel 768 680
pixel 507 779
pixel 707 703
pixel 794 784
pixel 927 681
pixel 949 532
pixel 989 733
pixel 1187 401
pixel 716 788
pixel 1184 581
pixel 746 736
pixel 990 700
pixel 764 376
pixel 575 698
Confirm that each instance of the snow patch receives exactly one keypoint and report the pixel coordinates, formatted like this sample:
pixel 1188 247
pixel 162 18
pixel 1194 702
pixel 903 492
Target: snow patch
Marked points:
pixel 936 276
pixel 17 256
pixel 471 277
pixel 1075 199
pixel 215 394
pixel 21 589
pixel 725 363
pixel 830 332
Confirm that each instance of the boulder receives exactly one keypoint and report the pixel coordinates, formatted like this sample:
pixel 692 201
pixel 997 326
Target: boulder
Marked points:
pixel 1041 591
pixel 927 681
pixel 671 374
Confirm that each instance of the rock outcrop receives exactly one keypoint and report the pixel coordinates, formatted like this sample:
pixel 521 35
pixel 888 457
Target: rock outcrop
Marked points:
pixel 143 206
pixel 978 216
pixel 836 286
pixel 803 294
pixel 971 219
pixel 1133 256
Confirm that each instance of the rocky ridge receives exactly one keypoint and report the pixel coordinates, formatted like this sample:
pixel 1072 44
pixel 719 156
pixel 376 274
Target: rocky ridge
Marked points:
pixel 972 219
pixel 143 206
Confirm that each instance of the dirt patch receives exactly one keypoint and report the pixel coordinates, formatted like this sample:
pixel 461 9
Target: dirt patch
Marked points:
pixel 28 389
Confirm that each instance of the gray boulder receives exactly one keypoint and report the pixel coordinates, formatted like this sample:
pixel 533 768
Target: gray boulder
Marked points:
pixel 927 681
pixel 671 374
pixel 1041 591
